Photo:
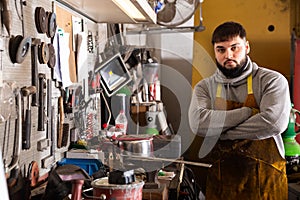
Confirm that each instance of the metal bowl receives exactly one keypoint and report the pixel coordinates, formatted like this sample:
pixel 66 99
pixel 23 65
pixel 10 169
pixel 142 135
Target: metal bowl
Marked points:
pixel 142 146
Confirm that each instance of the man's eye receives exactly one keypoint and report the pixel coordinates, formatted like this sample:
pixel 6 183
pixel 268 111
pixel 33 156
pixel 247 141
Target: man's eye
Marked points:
pixel 221 50
pixel 233 48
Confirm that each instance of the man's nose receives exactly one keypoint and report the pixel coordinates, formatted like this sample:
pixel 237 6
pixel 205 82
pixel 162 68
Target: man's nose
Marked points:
pixel 228 53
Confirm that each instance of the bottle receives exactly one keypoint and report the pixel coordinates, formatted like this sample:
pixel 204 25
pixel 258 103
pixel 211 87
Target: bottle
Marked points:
pixel 121 122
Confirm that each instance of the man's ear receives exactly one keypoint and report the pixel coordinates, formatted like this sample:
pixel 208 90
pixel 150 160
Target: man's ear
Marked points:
pixel 247 47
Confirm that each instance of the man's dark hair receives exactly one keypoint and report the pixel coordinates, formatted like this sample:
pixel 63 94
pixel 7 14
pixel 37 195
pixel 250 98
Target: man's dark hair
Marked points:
pixel 228 30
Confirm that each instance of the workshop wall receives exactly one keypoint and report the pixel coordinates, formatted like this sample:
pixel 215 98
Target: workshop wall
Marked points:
pixel 20 75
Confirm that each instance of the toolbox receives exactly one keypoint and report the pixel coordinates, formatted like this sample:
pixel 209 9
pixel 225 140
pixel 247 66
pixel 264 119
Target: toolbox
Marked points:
pixel 89 165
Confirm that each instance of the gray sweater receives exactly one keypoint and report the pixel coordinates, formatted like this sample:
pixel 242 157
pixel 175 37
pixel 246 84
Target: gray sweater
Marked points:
pixel 271 93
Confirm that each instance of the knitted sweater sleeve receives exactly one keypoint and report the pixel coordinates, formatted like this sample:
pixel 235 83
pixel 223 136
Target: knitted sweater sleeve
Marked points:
pixel 274 106
pixel 206 121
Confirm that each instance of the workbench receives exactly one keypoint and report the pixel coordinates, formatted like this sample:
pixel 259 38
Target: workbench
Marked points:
pixel 168 189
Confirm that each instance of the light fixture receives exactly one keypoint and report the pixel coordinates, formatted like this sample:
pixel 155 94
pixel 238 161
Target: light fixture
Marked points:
pixel 128 7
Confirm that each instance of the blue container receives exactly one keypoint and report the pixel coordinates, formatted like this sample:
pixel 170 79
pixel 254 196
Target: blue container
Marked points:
pixel 89 165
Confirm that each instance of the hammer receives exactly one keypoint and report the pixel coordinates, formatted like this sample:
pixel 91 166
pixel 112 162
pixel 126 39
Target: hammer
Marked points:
pixel 41 108
pixel 26 92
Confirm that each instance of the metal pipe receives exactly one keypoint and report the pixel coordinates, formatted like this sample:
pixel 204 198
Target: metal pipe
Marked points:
pixel 170 160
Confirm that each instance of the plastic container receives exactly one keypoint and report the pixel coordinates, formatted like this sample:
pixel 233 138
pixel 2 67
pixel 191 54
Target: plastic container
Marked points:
pixel 121 122
pixel 89 165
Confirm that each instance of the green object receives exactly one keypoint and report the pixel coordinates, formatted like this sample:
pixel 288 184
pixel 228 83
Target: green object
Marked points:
pixel 152 131
pixel 124 90
pixel 291 146
pixel 161 173
pixel 290 131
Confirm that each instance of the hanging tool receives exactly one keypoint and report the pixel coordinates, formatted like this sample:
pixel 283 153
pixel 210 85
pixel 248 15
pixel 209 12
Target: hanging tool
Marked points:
pixel 63 130
pixel 6 16
pixel 61 121
pixel 44 143
pixel 52 25
pixel 40 17
pixel 30 179
pixel 43 53
pixel 65 135
pixel 50 160
pixel 13 167
pixel 19 45
pixel 26 124
pixel 41 108
pixel 5 146
pixel 33 173
pixel 34 70
pixel 18 48
pixel 52 56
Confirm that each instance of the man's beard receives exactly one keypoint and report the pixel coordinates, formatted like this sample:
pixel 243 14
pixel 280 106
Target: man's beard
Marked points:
pixel 233 72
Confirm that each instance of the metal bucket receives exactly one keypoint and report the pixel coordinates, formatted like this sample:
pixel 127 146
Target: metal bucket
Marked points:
pixel 103 190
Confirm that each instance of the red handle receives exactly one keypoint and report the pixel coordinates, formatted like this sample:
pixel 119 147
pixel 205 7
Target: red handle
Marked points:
pixel 77 189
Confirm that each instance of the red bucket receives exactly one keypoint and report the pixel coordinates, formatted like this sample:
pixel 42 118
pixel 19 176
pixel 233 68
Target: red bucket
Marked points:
pixel 131 191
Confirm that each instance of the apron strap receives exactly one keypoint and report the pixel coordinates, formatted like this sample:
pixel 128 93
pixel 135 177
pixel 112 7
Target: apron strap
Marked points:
pixel 249 84
pixel 249 87
pixel 219 90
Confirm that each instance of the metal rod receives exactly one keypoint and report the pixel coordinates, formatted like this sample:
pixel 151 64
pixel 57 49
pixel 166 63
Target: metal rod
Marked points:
pixel 159 30
pixel 170 160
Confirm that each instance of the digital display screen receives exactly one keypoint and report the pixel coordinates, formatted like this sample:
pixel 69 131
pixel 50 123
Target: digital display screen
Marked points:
pixel 114 74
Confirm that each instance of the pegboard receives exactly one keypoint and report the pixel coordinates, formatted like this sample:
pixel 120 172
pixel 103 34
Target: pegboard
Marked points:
pixel 19 74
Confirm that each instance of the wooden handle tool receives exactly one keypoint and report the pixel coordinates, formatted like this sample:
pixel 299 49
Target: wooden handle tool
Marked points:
pixel 61 121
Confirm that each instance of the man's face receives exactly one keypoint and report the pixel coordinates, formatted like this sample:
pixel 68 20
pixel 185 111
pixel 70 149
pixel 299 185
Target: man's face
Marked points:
pixel 231 54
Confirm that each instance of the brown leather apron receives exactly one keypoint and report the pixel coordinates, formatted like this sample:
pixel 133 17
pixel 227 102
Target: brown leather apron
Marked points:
pixel 245 169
